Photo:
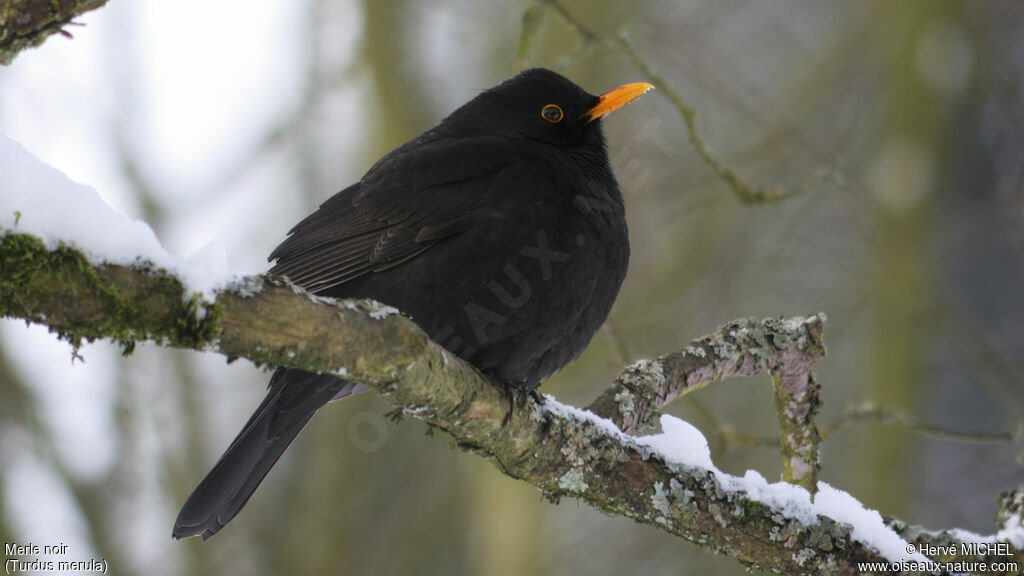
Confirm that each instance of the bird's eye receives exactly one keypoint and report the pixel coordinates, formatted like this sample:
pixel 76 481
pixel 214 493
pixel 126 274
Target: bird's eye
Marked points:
pixel 552 113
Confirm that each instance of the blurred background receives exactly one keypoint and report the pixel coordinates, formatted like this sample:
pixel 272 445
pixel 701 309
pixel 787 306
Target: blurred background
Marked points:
pixel 900 124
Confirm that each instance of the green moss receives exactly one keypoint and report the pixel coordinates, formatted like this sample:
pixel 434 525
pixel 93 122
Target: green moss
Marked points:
pixel 750 507
pixel 81 302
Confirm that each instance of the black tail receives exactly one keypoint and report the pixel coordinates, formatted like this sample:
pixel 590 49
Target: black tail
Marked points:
pixel 293 397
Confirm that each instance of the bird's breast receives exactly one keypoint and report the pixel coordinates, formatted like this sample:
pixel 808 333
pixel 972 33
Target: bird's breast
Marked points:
pixel 539 287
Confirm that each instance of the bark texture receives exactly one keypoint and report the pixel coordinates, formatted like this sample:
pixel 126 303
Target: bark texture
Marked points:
pixel 28 23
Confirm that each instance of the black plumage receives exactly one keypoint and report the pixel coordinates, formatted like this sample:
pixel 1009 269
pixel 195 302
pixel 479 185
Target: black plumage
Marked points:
pixel 501 232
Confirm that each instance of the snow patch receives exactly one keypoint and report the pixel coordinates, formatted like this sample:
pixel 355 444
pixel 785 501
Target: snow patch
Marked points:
pixel 37 199
pixel 556 408
pixel 867 524
pixel 379 310
pixel 683 444
pixel 1013 531
pixel 679 443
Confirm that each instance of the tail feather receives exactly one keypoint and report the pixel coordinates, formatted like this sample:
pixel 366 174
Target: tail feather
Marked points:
pixel 292 399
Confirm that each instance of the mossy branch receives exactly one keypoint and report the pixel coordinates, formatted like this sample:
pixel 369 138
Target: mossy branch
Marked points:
pixel 784 348
pixel 269 321
pixel 28 23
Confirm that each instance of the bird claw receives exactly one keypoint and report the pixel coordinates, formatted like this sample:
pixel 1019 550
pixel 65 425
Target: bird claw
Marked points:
pixel 519 393
pixel 396 415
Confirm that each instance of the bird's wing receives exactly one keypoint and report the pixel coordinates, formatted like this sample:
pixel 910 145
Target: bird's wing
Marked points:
pixel 411 199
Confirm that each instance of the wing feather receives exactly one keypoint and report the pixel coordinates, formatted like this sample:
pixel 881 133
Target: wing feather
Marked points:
pixel 406 203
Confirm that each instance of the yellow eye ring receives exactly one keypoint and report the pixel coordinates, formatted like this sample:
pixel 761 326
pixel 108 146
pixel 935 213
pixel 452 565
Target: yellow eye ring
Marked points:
pixel 552 113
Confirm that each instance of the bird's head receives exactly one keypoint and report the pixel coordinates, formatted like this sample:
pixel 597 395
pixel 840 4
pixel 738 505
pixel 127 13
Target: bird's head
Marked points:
pixel 541 105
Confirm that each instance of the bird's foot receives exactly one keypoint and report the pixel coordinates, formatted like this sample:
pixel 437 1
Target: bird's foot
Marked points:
pixel 396 415
pixel 519 394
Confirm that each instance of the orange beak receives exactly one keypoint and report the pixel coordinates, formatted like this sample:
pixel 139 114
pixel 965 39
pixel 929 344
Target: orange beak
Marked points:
pixel 617 98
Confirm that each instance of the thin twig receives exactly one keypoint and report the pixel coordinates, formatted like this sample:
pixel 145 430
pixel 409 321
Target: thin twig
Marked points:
pixel 585 36
pixel 745 191
pixel 623 353
pixel 871 413
pixel 531 25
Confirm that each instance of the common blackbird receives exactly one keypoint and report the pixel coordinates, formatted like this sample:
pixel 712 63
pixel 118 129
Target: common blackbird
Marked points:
pixel 501 232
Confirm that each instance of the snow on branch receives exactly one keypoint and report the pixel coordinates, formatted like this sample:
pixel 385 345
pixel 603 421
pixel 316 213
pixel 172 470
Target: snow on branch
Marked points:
pixel 83 286
pixel 785 348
